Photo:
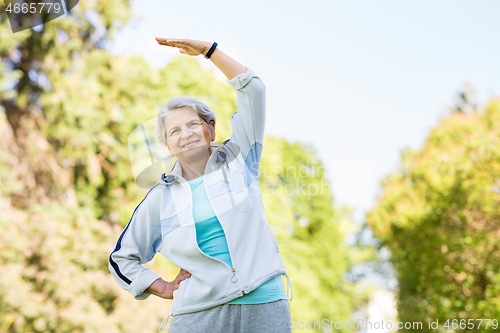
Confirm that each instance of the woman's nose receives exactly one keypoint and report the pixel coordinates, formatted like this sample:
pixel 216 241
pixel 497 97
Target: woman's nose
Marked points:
pixel 186 132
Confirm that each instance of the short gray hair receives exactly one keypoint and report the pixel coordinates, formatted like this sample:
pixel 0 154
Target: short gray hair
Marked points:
pixel 177 103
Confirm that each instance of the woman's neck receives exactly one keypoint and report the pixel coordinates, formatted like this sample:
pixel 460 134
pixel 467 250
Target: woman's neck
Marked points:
pixel 194 169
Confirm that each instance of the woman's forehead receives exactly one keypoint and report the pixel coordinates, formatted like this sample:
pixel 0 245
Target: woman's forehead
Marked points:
pixel 180 116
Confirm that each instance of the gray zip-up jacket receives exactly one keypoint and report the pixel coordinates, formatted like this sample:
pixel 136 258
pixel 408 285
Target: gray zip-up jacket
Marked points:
pixel 163 222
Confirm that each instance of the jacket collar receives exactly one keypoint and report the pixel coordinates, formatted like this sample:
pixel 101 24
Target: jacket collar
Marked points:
pixel 175 175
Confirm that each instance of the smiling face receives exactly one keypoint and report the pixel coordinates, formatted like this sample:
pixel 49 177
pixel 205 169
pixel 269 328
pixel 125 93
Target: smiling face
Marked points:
pixel 188 136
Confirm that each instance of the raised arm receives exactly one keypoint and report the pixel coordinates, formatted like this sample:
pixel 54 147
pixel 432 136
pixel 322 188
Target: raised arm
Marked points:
pixel 230 67
pixel 249 120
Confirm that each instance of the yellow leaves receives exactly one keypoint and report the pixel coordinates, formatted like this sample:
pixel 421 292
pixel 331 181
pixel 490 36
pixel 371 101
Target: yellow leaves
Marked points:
pixel 50 63
pixel 94 170
pixel 492 115
pixel 22 99
pixel 106 138
pixel 119 62
pixel 460 277
pixel 8 319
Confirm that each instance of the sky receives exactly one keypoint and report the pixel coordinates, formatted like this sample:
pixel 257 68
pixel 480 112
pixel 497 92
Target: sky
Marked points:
pixel 358 80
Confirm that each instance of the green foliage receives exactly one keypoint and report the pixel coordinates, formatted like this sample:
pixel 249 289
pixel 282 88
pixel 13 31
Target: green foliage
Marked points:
pixel 299 207
pixel 67 188
pixel 439 216
pixel 55 276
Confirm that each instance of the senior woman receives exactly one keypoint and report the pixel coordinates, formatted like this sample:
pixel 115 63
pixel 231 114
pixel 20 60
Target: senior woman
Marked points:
pixel 207 217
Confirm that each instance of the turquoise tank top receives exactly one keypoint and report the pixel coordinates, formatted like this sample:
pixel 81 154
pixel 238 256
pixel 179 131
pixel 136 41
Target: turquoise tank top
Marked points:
pixel 212 240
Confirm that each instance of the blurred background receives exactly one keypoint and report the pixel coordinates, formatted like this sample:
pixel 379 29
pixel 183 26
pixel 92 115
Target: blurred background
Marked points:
pixel 380 170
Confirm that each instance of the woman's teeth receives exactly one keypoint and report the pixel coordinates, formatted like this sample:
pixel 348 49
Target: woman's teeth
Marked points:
pixel 189 144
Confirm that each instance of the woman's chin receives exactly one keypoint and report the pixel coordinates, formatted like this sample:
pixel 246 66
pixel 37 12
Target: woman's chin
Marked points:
pixel 198 151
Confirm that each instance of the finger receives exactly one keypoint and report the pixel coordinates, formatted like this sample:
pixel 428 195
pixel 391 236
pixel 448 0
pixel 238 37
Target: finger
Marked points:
pixel 182 278
pixel 184 275
pixel 178 41
pixel 160 40
pixel 180 45
pixel 168 42
pixel 163 39
pixel 172 41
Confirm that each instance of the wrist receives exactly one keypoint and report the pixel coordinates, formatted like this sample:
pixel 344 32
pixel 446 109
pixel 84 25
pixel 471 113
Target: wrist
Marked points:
pixel 159 288
pixel 206 48
pixel 167 291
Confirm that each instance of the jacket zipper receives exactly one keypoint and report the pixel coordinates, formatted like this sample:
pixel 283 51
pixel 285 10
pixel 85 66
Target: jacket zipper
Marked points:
pixel 233 277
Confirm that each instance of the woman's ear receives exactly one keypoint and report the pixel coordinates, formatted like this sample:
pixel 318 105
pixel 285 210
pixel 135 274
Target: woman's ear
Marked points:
pixel 212 132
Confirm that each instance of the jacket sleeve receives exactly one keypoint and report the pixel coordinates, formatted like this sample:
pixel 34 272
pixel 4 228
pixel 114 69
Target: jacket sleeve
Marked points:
pixel 137 245
pixel 249 120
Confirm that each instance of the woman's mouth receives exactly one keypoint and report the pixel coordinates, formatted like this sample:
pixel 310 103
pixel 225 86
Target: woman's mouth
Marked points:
pixel 190 144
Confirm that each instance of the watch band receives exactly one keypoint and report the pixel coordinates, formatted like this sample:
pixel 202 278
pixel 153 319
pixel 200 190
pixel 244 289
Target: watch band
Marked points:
pixel 212 49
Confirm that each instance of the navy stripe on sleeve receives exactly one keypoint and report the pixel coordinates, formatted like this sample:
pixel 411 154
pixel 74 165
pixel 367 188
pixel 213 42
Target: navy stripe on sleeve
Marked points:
pixel 119 245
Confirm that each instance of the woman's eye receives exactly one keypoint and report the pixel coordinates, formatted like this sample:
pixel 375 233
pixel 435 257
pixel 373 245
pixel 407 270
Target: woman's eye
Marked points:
pixel 174 132
pixel 194 124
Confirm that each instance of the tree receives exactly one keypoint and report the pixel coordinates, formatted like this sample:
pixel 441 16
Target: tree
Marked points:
pixel 300 208
pixel 33 61
pixel 439 216
pixel 67 189
pixel 465 101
